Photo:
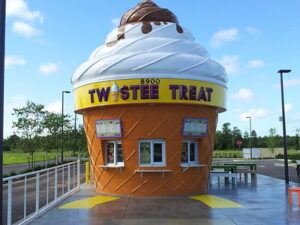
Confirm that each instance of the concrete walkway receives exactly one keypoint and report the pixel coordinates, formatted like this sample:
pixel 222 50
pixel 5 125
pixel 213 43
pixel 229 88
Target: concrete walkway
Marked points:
pixel 259 202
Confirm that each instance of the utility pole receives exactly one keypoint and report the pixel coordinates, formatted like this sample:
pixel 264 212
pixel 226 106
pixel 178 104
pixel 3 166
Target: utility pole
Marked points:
pixel 62 124
pixel 2 65
pixel 250 118
pixel 75 135
pixel 286 166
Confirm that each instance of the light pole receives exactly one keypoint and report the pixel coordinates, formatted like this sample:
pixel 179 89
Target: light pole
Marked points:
pixel 62 124
pixel 2 54
pixel 249 117
pixel 286 166
pixel 75 135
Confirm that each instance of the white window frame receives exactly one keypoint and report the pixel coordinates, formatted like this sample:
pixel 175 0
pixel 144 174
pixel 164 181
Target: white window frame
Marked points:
pixel 116 163
pixel 196 162
pixel 152 142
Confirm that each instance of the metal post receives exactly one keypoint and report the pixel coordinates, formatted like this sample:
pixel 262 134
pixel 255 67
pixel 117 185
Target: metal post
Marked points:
pixel 286 168
pixel 47 187
pixel 62 124
pixel 62 127
pixel 9 202
pixel 2 54
pixel 250 138
pixel 75 135
pixel 78 173
pixel 87 172
pixel 55 184
pixel 63 181
pixel 74 175
pixel 69 182
pixel 25 197
pixel 37 193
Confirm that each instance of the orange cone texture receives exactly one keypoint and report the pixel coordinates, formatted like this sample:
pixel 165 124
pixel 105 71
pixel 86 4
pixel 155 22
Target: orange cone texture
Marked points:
pixel 151 121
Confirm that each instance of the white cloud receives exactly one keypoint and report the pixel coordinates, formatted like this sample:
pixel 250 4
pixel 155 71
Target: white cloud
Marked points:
pixel 223 36
pixel 13 60
pixel 25 29
pixel 15 102
pixel 244 94
pixel 48 68
pixel 19 9
pixel 238 110
pixel 288 83
pixel 255 64
pixel 288 107
pixel 116 21
pixel 295 118
pixel 231 64
pixel 291 83
pixel 54 107
pixel 252 30
pixel 254 114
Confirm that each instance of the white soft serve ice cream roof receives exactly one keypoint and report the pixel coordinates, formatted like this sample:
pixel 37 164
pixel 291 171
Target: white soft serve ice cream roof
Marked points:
pixel 149 43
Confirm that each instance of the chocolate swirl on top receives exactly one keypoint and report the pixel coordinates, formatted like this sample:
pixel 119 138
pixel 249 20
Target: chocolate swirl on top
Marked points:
pixel 146 12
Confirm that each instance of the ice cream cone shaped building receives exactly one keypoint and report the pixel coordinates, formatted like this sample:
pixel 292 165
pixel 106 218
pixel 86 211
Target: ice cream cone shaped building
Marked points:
pixel 150 99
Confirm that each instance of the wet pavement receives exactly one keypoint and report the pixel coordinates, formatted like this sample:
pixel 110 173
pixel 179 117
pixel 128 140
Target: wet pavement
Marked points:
pixel 263 201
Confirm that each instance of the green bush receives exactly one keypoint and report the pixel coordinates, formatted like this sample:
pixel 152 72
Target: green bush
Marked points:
pixel 12 173
pixel 38 167
pixel 6 147
pixel 293 155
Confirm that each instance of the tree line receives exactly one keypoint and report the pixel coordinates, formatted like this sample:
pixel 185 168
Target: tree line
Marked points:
pixel 226 139
pixel 40 130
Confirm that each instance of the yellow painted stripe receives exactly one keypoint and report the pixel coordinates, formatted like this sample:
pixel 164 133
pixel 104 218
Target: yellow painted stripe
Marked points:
pixel 216 202
pixel 88 202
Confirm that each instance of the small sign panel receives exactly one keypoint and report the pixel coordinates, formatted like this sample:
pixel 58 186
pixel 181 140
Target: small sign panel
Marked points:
pixel 108 128
pixel 239 142
pixel 195 127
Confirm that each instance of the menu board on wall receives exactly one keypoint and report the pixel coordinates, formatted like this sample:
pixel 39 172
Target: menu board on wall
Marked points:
pixel 108 128
pixel 195 127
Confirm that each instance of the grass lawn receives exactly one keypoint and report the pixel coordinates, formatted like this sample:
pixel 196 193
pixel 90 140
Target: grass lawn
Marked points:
pixel 21 157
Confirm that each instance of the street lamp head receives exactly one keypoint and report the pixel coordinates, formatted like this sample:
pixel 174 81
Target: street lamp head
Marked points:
pixel 248 117
pixel 284 71
pixel 67 92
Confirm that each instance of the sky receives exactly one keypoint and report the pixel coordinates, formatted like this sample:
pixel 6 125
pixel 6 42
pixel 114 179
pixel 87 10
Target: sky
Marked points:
pixel 46 40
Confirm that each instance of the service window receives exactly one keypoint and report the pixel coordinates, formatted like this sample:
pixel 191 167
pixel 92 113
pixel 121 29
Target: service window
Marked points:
pixel 114 153
pixel 152 153
pixel 189 152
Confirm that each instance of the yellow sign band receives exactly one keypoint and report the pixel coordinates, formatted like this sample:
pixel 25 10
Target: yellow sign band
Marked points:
pixel 141 91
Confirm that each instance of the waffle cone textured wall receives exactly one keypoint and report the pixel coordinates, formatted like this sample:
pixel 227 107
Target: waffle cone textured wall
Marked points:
pixel 156 121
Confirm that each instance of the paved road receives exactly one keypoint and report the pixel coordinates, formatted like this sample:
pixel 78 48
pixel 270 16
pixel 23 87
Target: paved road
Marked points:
pixel 23 166
pixel 19 167
pixel 275 168
pixel 271 167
